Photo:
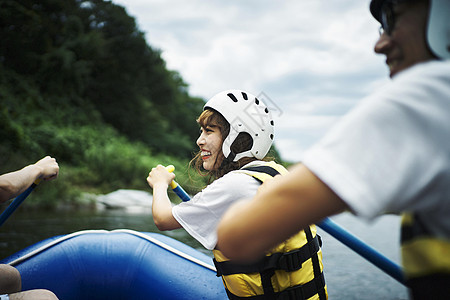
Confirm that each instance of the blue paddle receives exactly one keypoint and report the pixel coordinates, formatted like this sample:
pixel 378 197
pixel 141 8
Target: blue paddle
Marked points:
pixel 367 252
pixel 339 233
pixel 16 202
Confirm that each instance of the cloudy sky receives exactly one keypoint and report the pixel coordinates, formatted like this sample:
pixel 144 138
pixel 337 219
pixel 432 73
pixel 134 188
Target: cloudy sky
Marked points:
pixel 312 60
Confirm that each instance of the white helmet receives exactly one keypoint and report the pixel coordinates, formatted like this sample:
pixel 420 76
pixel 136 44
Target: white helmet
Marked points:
pixel 245 113
pixel 438 27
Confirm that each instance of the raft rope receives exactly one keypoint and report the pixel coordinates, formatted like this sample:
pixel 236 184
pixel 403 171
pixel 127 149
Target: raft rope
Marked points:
pixel 132 232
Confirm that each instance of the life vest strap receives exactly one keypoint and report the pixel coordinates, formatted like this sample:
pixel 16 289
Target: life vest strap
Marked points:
pixel 289 261
pixel 298 292
pixel 434 286
pixel 413 227
pixel 263 169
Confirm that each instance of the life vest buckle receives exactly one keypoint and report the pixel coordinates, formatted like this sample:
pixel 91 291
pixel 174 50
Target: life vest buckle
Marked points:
pixel 293 260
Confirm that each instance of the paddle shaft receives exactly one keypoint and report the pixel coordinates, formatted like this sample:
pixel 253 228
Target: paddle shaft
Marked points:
pixel 16 202
pixel 347 239
pixel 181 193
pixel 363 249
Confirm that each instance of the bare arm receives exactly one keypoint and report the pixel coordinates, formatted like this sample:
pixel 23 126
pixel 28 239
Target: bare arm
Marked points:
pixel 14 183
pixel 282 207
pixel 159 179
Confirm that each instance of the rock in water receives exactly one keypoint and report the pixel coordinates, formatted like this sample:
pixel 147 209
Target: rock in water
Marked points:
pixel 126 199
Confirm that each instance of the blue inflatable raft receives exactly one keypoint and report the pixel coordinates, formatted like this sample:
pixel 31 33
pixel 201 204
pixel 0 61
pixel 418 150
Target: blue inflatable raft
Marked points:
pixel 118 264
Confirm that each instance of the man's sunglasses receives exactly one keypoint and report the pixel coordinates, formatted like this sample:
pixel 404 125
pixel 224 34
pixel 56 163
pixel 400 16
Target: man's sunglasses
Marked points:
pixel 387 17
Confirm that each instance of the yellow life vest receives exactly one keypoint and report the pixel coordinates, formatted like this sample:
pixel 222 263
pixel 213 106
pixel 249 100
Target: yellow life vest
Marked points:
pixel 425 258
pixel 291 270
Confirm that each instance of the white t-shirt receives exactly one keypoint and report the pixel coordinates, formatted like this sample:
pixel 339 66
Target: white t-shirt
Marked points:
pixel 392 152
pixel 201 215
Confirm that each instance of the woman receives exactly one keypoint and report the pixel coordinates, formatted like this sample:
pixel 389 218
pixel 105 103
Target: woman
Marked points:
pixel 236 135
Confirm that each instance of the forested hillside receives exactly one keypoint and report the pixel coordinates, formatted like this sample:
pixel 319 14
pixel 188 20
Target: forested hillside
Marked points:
pixel 79 82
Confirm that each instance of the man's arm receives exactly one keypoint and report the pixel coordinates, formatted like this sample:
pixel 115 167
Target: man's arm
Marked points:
pixel 14 183
pixel 281 208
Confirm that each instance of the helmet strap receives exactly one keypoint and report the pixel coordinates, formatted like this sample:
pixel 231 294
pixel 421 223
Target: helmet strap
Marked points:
pixel 231 156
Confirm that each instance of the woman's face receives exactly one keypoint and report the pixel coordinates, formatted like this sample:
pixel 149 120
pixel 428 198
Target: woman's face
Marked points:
pixel 210 144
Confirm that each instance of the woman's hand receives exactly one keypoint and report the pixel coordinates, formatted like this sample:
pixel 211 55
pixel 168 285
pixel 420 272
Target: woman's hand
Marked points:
pixel 159 179
pixel 159 176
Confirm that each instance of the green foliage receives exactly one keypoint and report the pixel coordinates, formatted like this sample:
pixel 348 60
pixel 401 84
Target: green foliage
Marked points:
pixel 95 160
pixel 89 57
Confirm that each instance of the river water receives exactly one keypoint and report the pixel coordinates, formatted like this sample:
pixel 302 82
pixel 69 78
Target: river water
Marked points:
pixel 348 276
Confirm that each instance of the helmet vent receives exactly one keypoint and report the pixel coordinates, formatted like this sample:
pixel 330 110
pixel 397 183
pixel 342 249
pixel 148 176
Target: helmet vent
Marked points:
pixel 256 101
pixel 232 97
pixel 271 136
pixel 271 122
pixel 245 96
pixel 266 110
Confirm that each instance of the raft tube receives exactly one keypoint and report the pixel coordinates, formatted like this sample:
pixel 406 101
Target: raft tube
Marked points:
pixel 118 264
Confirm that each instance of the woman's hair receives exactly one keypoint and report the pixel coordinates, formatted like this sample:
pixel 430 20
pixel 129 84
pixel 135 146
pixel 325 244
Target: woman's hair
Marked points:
pixel 243 142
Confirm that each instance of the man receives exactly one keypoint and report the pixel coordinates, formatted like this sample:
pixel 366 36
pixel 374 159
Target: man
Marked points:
pixel 390 154
pixel 11 185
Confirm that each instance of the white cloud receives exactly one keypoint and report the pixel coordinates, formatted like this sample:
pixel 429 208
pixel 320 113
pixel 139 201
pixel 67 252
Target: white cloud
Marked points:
pixel 314 59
